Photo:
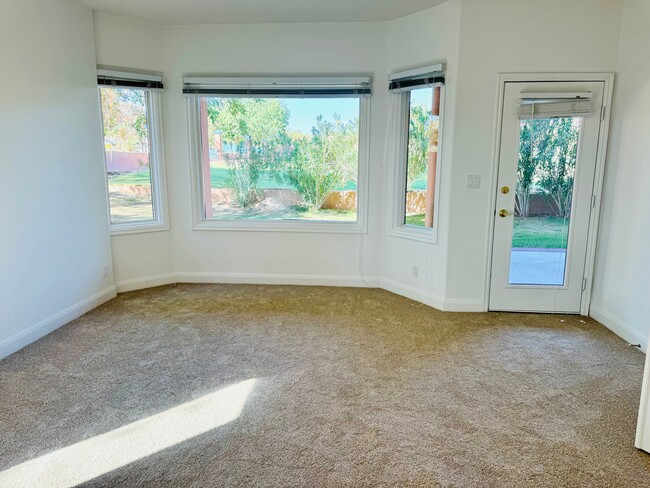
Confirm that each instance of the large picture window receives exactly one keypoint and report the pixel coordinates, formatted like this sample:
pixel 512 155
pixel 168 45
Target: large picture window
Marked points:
pixel 131 137
pixel 418 141
pixel 280 158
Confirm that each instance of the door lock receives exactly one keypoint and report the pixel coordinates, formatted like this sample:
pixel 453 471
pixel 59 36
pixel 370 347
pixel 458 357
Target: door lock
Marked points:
pixel 504 213
pixel 505 190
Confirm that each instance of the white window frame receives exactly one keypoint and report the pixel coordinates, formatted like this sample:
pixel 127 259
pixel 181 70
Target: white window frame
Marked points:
pixel 156 166
pixel 360 226
pixel 397 226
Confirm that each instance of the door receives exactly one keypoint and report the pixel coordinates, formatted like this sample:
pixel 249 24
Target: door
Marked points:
pixel 547 162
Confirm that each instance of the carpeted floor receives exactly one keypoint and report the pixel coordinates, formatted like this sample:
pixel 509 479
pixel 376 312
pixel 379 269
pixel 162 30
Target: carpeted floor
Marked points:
pixel 315 386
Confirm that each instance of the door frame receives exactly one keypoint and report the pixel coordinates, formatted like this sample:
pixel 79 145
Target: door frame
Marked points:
pixel 594 217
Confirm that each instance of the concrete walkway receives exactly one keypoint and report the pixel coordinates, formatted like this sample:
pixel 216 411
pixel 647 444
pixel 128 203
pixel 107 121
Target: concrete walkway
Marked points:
pixel 532 266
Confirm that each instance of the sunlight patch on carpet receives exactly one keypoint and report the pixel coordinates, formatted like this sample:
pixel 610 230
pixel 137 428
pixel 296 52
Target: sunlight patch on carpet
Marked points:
pixel 106 452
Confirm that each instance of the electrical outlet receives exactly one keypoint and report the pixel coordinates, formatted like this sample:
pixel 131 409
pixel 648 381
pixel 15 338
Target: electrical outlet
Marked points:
pixel 105 270
pixel 415 271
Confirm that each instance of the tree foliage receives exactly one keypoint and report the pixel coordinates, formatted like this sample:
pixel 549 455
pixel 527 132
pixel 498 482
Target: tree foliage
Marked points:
pixel 418 142
pixel 124 114
pixel 256 131
pixel 547 160
pixel 557 168
pixel 324 162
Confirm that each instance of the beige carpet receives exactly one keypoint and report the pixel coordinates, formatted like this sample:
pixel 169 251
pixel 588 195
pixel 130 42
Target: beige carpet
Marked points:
pixel 321 387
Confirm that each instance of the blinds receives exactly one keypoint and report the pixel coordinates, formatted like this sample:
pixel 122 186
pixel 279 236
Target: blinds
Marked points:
pixel 313 87
pixel 554 105
pixel 126 79
pixel 417 78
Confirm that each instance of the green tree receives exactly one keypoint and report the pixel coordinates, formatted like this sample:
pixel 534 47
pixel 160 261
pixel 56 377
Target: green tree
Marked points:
pixel 323 162
pixel 558 162
pixel 124 115
pixel 418 143
pixel 526 168
pixel 256 130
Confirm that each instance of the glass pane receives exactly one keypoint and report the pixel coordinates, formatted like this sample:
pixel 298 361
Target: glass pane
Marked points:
pixel 126 143
pixel 277 159
pixel 422 156
pixel 545 179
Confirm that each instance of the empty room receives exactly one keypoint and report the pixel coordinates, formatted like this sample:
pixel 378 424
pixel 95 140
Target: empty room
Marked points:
pixel 324 243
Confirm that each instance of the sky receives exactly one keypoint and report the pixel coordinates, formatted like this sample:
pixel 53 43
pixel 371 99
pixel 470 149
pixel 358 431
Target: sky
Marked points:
pixel 303 111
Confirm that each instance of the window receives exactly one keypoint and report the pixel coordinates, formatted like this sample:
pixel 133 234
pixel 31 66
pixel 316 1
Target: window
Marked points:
pixel 420 93
pixel 285 154
pixel 132 155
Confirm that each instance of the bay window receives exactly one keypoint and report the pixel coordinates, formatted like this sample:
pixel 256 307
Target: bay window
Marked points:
pixel 279 154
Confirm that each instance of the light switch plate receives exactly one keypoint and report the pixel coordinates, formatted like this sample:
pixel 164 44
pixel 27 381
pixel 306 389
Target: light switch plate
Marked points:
pixel 473 181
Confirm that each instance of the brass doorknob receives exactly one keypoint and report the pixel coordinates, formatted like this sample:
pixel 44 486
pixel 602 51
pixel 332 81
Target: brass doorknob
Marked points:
pixel 503 213
pixel 505 190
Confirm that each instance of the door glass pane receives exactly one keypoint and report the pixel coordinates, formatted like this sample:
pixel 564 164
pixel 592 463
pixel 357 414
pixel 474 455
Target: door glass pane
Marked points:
pixel 545 179
pixel 126 143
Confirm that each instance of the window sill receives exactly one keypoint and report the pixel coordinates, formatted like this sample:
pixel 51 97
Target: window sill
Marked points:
pixel 429 236
pixel 137 228
pixel 327 227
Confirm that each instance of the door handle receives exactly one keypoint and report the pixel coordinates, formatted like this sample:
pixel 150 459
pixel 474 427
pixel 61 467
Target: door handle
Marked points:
pixel 504 213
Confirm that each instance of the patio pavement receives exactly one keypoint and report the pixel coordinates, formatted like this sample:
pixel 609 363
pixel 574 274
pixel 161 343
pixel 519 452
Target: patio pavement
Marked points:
pixel 533 266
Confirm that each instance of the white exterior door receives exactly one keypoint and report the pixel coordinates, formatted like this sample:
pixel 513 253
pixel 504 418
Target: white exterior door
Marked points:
pixel 547 162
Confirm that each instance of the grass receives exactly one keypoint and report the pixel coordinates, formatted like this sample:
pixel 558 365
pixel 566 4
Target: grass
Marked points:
pixel 540 232
pixel 218 178
pixel 415 219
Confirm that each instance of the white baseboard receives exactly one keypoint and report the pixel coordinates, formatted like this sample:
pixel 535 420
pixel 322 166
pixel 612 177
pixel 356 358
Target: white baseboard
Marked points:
pixel 452 305
pixel 277 279
pixel 412 293
pixel 146 282
pixel 462 305
pixel 618 327
pixel 44 327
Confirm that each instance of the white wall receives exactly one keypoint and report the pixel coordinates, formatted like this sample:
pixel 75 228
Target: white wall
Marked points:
pixel 346 48
pixel 509 36
pixel 416 40
pixel 621 294
pixel 53 200
pixel 143 259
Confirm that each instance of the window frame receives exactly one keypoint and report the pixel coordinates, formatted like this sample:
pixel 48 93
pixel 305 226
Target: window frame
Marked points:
pixel 156 167
pixel 397 225
pixel 199 222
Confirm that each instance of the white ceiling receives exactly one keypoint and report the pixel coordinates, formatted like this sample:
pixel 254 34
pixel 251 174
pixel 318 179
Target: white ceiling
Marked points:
pixel 259 11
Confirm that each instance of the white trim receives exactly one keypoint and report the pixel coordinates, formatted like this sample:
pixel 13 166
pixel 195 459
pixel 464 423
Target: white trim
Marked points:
pixel 450 305
pixel 502 79
pixel 462 305
pixel 360 226
pixel 618 327
pixel 21 339
pixel 146 282
pixel 128 75
pixel 277 279
pixel 417 72
pixel 412 293
pixel 644 410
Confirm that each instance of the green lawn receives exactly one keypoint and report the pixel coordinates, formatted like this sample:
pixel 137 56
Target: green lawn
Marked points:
pixel 541 232
pixel 415 219
pixel 218 177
